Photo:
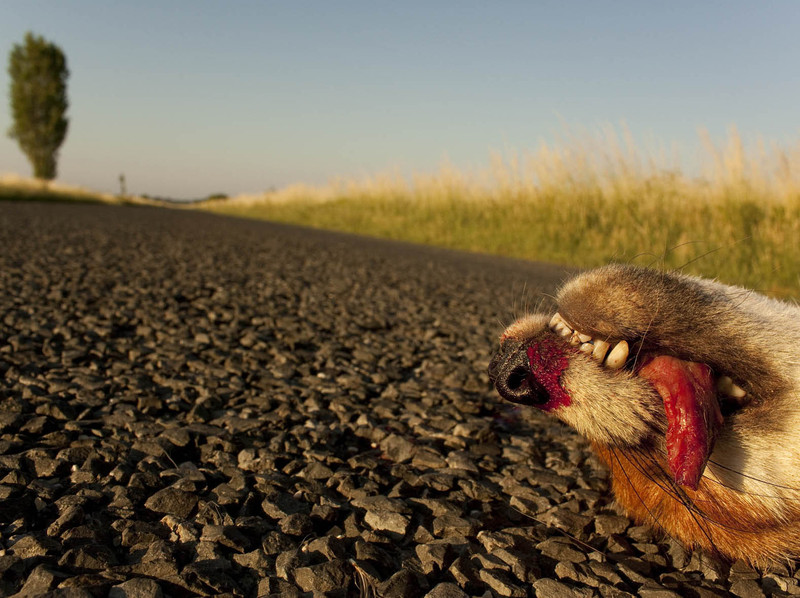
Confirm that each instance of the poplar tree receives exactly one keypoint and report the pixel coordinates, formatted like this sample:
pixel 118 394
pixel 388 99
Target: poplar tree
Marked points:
pixel 38 93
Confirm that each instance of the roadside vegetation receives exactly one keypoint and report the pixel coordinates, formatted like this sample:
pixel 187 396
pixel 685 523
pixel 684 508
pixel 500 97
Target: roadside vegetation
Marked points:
pixel 585 203
pixel 17 188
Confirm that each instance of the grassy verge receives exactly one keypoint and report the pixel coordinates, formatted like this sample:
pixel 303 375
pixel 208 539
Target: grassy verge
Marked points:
pixel 584 205
pixel 14 188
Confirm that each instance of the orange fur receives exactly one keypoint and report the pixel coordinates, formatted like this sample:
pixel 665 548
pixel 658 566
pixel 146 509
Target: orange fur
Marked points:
pixel 720 521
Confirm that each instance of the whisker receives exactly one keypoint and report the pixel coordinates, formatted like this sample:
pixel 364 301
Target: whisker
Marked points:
pixel 653 516
pixel 755 479
pixel 665 482
pixel 697 258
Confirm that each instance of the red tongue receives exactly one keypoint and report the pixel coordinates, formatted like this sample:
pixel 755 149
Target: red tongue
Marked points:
pixel 693 416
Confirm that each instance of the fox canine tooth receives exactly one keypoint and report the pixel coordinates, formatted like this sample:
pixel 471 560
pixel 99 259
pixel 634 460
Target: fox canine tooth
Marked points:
pixel 616 359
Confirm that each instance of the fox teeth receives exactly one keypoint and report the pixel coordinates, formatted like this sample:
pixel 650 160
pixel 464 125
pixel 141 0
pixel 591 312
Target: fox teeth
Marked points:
pixel 616 358
pixel 726 386
pixel 598 349
pixel 562 330
pixel 556 319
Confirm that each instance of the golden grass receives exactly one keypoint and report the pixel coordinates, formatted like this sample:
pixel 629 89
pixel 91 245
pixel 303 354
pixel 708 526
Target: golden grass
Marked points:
pixel 586 202
pixel 14 187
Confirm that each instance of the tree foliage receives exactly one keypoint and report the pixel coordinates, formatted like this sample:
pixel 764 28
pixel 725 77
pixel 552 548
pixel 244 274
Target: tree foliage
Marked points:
pixel 38 93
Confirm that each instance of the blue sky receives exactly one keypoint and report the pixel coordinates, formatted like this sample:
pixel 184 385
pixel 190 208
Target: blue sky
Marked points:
pixel 193 98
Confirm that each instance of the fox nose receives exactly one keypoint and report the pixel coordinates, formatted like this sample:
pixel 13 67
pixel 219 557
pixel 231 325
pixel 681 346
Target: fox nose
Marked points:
pixel 510 372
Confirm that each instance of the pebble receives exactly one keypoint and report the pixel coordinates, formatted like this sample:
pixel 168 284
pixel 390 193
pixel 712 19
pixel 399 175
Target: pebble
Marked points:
pixel 561 549
pixel 139 587
pixel 325 577
pixel 171 501
pixel 446 590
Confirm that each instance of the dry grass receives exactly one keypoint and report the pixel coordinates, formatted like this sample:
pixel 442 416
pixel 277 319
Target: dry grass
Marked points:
pixel 13 187
pixel 588 201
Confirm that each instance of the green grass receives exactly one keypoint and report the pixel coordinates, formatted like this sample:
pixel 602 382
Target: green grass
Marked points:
pixel 580 206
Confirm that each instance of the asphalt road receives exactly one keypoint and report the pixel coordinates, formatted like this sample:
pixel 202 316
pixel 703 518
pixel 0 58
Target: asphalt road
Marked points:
pixel 199 405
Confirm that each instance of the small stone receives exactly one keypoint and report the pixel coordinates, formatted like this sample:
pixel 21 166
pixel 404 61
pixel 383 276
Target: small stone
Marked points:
pixel 287 562
pixel 641 534
pixel 427 458
pixel 635 569
pixel 11 567
pixel 502 583
pixel 741 570
pixel 397 448
pixel 609 591
pixel 171 501
pixel 461 460
pixel 255 559
pixel 166 569
pixel 39 581
pixel 141 532
pixel 213 573
pixel 678 555
pixel 225 535
pixel 92 557
pixel 773 583
pixel 282 505
pixel 494 540
pixel 653 590
pixel 523 566
pixel 564 519
pixel 561 549
pixel 550 588
pixel 605 525
pixel 182 531
pixel 403 584
pixel 530 506
pixel 481 560
pixel 746 588
pixel 434 556
pixel 35 545
pixel 388 521
pixel 463 571
pixel 274 543
pixel 480 490
pixel 327 547
pixel 139 587
pixel 272 587
pixel 606 572
pixel 325 577
pixel 711 568
pixel 446 590
pixel 452 525
pixel 298 524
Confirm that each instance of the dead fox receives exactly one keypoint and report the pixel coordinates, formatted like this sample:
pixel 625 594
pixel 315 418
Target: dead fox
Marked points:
pixel 687 388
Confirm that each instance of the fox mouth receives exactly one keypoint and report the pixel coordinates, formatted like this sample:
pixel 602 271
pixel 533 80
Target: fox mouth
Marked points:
pixel 694 397
pixel 614 356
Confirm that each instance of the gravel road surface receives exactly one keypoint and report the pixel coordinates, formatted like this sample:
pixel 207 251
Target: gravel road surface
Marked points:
pixel 195 405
